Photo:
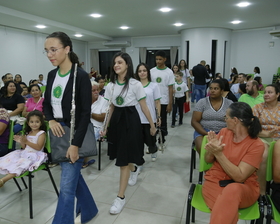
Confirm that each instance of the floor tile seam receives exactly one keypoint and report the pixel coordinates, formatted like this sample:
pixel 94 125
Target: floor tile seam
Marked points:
pixel 9 220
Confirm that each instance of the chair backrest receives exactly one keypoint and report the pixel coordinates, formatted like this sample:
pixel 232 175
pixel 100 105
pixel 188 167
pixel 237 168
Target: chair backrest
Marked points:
pixel 11 135
pixel 269 176
pixel 203 166
pixel 43 89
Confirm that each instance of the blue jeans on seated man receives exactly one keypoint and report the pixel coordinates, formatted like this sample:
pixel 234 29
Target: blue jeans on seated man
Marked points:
pixel 199 91
pixel 72 184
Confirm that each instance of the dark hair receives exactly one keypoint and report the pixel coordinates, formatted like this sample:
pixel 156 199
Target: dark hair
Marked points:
pixel 243 74
pixel 23 83
pixel 234 78
pixel 219 82
pixel 242 87
pixel 66 41
pixel 185 66
pixel 257 70
pixel 244 113
pixel 6 88
pixel 226 84
pixel 30 87
pixel 98 79
pixel 148 72
pixel 177 66
pixel 258 79
pixel 129 73
pixel 161 54
pixel 41 75
pixel 276 88
pixel 41 117
pixel 208 68
pixel 234 70
pixel 19 76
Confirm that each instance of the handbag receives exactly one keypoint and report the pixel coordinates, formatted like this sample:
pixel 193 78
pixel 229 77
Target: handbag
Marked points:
pixel 187 107
pixel 60 145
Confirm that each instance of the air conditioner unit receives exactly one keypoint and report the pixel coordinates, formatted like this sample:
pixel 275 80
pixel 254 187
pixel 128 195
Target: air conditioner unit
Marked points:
pixel 275 33
pixel 116 44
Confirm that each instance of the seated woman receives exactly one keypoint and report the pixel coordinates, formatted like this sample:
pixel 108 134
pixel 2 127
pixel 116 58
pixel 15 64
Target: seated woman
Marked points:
pixel 259 80
pixel 12 102
pixel 34 103
pixel 209 113
pixel 236 153
pixel 275 196
pixel 4 131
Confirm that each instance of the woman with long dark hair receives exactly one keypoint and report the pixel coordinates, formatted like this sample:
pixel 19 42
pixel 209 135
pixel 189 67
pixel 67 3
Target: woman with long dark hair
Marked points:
pixel 56 108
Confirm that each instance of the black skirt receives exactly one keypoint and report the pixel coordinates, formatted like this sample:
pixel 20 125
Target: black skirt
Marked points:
pixel 125 137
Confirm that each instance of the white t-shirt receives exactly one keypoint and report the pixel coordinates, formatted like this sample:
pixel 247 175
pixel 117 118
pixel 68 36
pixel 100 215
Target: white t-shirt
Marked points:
pixel 98 107
pixel 130 97
pixel 234 88
pixel 58 88
pixel 164 78
pixel 180 89
pixel 44 83
pixel 152 94
pixel 186 74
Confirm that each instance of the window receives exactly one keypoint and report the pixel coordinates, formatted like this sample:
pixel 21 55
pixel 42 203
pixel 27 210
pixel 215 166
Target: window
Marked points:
pixel 151 58
pixel 105 60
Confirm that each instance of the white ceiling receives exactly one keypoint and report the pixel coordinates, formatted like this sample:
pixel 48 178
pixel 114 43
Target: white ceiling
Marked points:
pixel 143 16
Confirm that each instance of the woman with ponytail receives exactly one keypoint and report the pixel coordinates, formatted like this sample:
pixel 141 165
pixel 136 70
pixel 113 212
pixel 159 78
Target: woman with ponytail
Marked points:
pixel 236 153
pixel 57 107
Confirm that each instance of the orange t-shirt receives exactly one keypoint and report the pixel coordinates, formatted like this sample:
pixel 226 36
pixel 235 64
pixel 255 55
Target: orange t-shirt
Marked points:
pixel 248 150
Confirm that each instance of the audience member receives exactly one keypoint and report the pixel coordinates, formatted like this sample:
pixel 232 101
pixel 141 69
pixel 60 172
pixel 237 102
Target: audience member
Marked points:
pixel 242 89
pixel 227 93
pixel 249 78
pixel 25 93
pixel 4 131
pixel 257 72
pixel 208 69
pixel 209 113
pixel 236 153
pixel 259 80
pixel 9 77
pixel 102 87
pixel 200 74
pixel 18 78
pixel 252 97
pixel 41 81
pixel 233 73
pixel 218 75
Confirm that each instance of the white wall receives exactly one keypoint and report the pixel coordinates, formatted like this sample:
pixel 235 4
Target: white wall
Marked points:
pixel 250 48
pixel 21 52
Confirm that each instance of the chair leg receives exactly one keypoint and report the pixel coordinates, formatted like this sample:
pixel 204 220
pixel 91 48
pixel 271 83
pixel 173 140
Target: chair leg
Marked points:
pixel 99 154
pixel 52 180
pixel 19 188
pixel 193 214
pixel 193 162
pixel 24 183
pixel 30 195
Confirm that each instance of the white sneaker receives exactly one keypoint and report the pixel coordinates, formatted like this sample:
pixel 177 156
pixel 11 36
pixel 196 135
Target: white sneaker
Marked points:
pixel 154 157
pixel 117 206
pixel 78 219
pixel 133 177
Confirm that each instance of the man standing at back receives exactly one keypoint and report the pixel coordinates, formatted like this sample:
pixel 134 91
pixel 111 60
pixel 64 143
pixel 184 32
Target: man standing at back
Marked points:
pixel 200 75
pixel 164 77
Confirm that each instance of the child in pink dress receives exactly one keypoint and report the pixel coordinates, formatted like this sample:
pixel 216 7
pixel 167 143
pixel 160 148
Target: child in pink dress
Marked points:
pixel 17 162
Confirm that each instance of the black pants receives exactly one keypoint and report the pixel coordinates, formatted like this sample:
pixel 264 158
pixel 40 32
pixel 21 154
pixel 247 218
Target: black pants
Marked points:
pixel 179 103
pixel 163 127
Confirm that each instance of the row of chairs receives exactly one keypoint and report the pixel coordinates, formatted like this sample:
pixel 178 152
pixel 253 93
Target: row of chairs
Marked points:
pixel 255 213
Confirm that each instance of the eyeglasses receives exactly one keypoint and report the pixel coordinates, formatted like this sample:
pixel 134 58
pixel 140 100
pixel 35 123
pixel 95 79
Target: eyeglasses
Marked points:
pixel 51 51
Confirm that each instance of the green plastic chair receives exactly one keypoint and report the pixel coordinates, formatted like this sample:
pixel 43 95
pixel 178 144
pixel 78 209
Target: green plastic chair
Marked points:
pixel 196 200
pixel 11 135
pixel 272 212
pixel 43 166
pixel 278 71
pixel 261 92
pixel 43 89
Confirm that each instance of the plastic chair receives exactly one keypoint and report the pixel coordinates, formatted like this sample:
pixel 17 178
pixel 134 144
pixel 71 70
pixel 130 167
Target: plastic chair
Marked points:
pixel 43 89
pixel 43 166
pixel 272 212
pixel 196 200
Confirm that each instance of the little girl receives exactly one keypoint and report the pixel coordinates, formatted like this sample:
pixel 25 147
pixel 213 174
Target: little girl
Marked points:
pixel 17 162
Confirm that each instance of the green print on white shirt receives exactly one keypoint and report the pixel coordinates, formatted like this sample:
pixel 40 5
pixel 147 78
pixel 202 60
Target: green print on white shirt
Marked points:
pixel 158 79
pixel 57 91
pixel 119 100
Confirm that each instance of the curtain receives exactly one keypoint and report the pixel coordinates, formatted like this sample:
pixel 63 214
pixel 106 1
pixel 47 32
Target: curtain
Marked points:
pixel 94 59
pixel 143 54
pixel 173 53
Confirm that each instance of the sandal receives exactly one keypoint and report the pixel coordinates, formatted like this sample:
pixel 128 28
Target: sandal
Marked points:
pixel 1 183
pixel 88 163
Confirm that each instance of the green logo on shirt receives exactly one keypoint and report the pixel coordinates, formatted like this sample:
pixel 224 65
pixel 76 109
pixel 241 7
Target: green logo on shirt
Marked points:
pixel 158 80
pixel 57 91
pixel 178 88
pixel 119 100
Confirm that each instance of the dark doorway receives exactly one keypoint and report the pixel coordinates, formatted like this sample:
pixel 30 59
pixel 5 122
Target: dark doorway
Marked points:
pixel 105 60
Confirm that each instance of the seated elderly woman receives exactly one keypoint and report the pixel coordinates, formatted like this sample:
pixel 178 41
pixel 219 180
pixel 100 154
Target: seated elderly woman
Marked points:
pixel 209 113
pixel 236 153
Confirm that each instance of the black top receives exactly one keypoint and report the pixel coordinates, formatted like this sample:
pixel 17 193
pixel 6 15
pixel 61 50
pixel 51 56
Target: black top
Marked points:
pixel 231 97
pixel 10 103
pixel 200 74
pixel 82 100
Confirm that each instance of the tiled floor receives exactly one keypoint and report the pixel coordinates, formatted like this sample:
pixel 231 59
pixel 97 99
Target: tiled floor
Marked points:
pixel 159 197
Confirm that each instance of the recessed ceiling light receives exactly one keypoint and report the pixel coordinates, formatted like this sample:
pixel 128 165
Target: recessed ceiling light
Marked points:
pixel 124 27
pixel 95 15
pixel 178 24
pixel 41 26
pixel 236 22
pixel 165 9
pixel 243 4
pixel 78 35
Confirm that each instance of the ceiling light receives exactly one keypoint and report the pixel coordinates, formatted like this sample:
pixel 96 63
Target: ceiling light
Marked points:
pixel 41 26
pixel 178 24
pixel 236 22
pixel 78 35
pixel 165 9
pixel 95 15
pixel 243 4
pixel 124 27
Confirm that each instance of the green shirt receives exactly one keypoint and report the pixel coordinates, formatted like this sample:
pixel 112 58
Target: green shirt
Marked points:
pixel 251 100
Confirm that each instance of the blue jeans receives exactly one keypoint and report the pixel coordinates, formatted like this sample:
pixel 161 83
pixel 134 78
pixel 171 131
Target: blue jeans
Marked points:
pixel 199 91
pixel 192 94
pixel 72 185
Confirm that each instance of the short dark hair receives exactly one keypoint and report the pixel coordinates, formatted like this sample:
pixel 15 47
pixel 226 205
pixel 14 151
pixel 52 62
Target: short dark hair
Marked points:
pixel 161 54
pixel 220 83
